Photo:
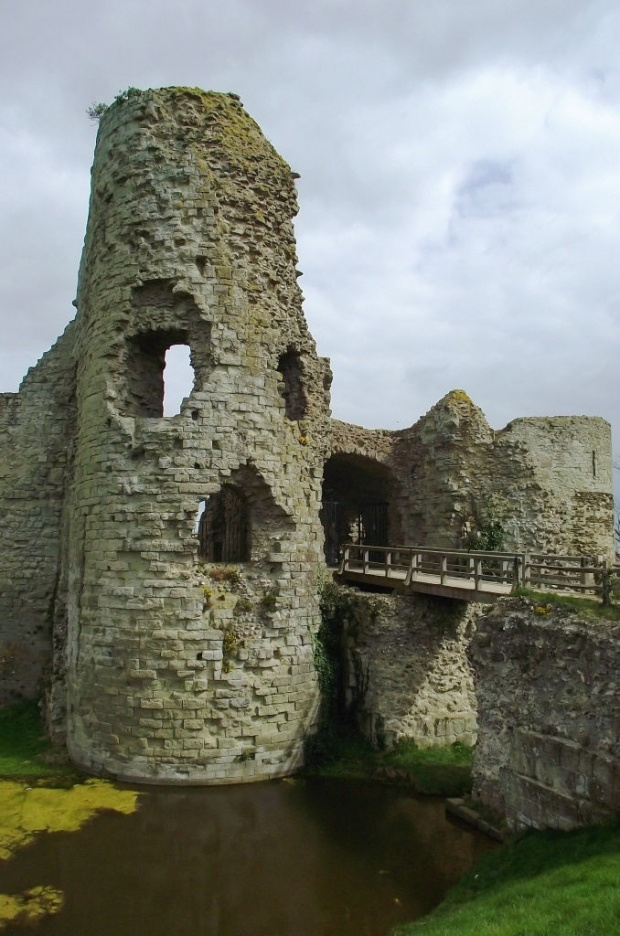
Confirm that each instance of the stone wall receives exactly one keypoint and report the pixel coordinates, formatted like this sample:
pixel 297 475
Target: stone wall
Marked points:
pixel 546 681
pixel 407 674
pixel 547 480
pixel 36 425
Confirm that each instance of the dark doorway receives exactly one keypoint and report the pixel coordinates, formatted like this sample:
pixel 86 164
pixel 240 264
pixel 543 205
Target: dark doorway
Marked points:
pixel 358 495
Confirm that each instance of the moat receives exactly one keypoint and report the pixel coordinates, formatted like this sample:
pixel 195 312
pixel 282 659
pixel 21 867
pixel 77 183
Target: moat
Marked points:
pixel 284 858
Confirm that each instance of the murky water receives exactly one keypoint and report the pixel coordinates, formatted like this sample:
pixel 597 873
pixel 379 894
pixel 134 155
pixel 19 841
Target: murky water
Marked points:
pixel 308 858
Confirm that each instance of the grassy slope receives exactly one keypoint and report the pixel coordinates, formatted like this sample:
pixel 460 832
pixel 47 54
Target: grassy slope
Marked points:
pixel 437 771
pixel 588 607
pixel 25 752
pixel 545 884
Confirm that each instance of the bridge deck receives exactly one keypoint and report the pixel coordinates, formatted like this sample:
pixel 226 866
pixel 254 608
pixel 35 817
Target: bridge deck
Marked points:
pixel 469 576
pixel 429 584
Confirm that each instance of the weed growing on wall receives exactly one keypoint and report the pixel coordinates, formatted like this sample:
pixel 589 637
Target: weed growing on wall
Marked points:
pixel 229 574
pixel 487 534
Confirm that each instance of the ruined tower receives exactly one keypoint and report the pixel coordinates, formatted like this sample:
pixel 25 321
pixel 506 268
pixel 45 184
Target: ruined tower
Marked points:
pixel 158 573
pixel 193 540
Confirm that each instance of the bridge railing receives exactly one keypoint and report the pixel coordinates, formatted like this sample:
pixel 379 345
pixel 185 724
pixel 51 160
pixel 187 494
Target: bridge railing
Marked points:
pixel 585 574
pixel 403 564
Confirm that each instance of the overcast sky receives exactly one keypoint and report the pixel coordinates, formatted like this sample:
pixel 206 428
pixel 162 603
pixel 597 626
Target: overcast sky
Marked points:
pixel 459 191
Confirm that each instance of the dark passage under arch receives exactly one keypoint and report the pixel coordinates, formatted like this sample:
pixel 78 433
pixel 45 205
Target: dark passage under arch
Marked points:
pixel 358 494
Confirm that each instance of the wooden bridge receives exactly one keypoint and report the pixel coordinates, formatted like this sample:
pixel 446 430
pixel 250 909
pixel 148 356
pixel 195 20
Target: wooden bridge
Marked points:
pixel 469 576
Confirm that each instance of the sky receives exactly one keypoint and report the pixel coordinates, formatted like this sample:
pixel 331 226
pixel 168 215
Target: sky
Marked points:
pixel 459 190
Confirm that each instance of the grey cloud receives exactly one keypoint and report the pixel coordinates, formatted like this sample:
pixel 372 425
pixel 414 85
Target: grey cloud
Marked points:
pixel 459 192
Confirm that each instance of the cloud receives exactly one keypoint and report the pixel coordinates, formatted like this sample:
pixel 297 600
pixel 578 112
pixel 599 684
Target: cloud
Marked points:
pixel 459 186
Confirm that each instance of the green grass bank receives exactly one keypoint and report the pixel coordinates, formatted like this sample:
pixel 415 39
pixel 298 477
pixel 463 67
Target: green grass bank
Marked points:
pixel 26 753
pixel 543 884
pixel 345 754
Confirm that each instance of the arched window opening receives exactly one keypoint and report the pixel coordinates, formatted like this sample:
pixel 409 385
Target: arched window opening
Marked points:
pixel 178 378
pixel 295 399
pixel 224 527
pixel 146 361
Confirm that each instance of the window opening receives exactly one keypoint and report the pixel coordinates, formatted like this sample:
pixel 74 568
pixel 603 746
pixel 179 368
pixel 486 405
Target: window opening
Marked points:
pixel 147 356
pixel 295 400
pixel 224 527
pixel 178 378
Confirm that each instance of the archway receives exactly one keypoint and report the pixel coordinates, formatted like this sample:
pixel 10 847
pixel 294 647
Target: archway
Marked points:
pixel 358 499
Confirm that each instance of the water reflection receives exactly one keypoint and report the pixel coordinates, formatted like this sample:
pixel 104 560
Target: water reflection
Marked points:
pixel 313 858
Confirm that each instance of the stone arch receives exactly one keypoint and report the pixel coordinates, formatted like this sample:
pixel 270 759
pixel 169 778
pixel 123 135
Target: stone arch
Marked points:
pixel 358 503
pixel 242 521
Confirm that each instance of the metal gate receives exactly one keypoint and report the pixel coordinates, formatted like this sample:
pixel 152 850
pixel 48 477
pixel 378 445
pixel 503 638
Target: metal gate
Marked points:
pixel 362 523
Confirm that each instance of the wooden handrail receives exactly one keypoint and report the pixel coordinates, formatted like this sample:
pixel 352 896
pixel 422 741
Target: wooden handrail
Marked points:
pixel 407 563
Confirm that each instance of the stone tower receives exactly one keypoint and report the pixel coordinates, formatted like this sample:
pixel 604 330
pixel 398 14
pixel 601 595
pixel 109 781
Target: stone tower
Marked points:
pixel 193 540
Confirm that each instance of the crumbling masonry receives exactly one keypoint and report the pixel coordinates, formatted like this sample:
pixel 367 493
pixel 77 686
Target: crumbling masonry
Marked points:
pixel 159 575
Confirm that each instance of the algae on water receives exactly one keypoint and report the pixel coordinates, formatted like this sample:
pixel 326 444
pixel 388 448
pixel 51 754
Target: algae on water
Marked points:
pixel 30 906
pixel 26 811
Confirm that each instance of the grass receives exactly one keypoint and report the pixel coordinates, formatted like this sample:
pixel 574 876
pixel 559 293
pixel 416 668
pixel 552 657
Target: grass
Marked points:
pixel 589 607
pixel 444 771
pixel 25 752
pixel 545 884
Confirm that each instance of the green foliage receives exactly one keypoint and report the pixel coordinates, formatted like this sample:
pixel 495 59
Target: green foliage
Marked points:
pixel 207 594
pixel 243 606
pixel 487 535
pixel 406 754
pixel 327 646
pixel 269 602
pixel 230 574
pixel 230 645
pixel 123 96
pixel 587 607
pixel 544 884
pixel 96 111
pixel 439 771
pixel 24 749
pixel 323 747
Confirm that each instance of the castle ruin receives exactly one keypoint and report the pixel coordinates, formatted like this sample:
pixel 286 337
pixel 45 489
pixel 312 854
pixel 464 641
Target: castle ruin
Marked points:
pixel 159 575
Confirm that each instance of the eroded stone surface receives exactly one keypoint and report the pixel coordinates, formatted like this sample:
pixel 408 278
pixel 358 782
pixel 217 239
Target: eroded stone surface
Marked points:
pixel 546 682
pixel 408 675
pixel 547 480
